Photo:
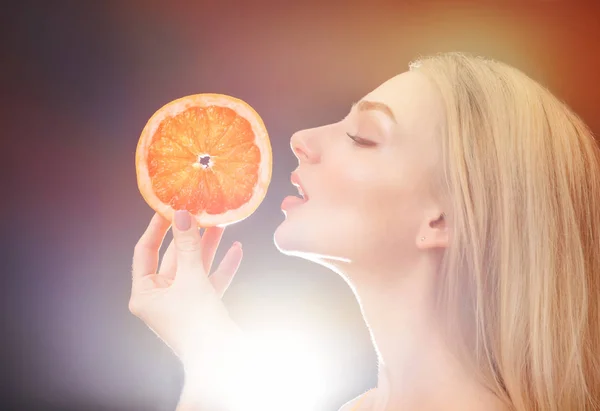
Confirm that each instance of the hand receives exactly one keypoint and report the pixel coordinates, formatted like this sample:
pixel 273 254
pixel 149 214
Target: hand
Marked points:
pixel 179 301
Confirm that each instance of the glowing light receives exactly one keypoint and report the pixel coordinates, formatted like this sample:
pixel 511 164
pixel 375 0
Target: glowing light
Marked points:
pixel 278 371
pixel 283 375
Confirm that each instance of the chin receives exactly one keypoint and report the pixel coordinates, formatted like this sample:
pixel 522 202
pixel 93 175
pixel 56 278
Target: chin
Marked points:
pixel 299 241
pixel 290 240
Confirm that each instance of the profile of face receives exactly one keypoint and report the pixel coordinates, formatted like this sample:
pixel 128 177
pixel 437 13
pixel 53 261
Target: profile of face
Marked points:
pixel 366 180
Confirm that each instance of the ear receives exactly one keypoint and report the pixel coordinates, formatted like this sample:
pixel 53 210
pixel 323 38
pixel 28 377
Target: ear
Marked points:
pixel 434 232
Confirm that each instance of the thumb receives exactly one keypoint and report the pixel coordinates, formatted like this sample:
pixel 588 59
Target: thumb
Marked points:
pixel 186 237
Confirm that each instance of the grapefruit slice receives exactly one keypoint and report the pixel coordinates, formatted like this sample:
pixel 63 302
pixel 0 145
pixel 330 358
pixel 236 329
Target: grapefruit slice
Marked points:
pixel 208 154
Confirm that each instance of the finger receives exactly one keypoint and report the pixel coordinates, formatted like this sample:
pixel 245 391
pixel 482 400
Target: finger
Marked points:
pixel 161 281
pixel 210 242
pixel 222 277
pixel 168 267
pixel 145 253
pixel 188 247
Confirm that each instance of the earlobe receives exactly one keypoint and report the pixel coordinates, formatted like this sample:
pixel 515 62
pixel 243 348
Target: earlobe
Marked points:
pixel 434 234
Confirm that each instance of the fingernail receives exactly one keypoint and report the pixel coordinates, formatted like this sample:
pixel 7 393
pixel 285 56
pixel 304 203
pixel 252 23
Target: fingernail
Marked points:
pixel 237 244
pixel 183 220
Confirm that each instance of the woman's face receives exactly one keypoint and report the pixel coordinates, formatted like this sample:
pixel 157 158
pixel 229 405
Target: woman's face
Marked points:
pixel 368 196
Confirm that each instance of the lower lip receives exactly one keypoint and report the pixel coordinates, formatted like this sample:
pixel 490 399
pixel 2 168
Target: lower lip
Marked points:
pixel 291 202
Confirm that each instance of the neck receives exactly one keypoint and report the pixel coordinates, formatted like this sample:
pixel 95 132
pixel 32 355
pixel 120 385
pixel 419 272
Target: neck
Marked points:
pixel 416 369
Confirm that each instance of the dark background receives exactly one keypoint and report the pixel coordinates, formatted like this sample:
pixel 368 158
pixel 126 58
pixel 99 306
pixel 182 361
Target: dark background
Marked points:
pixel 79 81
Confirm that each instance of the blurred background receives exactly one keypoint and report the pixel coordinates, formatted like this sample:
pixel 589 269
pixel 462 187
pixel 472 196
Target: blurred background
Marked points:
pixel 79 81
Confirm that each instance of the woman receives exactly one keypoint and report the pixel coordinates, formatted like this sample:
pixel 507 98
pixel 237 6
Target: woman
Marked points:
pixel 461 202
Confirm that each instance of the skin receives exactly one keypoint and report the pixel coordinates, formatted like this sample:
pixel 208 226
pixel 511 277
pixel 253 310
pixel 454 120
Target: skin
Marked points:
pixel 371 216
pixel 368 208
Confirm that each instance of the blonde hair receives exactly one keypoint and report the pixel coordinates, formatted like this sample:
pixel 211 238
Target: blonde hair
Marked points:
pixel 521 277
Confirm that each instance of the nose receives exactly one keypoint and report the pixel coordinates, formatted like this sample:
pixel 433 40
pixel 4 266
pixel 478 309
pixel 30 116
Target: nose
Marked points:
pixel 305 146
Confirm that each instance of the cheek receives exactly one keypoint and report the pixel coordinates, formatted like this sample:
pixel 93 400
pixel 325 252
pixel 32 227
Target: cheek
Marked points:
pixel 348 180
pixel 364 188
pixel 375 202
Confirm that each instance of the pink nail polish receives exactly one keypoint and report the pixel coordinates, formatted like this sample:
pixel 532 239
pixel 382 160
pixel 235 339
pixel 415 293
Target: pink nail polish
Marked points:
pixel 183 220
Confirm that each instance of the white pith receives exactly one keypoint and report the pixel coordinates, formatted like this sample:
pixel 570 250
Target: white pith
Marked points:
pixel 203 218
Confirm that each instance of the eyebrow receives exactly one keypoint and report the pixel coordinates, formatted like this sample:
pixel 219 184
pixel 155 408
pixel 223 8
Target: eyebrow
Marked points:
pixel 365 105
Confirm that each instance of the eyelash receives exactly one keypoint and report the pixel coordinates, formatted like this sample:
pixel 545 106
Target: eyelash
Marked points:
pixel 360 141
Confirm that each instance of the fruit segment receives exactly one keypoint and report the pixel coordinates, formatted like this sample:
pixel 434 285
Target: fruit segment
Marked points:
pixel 206 159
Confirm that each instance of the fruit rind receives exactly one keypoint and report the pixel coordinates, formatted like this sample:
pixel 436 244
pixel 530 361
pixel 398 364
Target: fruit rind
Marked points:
pixel 204 100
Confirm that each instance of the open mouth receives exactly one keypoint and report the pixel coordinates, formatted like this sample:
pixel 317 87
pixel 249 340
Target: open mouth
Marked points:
pixel 298 184
pixel 293 201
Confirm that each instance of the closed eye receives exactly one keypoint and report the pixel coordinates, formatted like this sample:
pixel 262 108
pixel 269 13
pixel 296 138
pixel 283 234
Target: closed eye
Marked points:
pixel 359 141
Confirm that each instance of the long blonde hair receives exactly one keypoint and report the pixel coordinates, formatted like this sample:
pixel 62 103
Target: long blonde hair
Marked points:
pixel 520 280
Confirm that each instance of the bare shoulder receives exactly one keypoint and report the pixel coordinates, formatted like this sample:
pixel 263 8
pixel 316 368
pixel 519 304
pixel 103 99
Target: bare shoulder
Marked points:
pixel 350 405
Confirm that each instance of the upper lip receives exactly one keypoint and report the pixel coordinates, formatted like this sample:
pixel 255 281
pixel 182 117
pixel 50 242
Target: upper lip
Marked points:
pixel 295 179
